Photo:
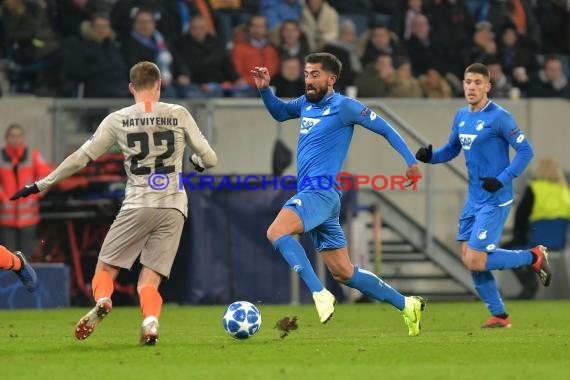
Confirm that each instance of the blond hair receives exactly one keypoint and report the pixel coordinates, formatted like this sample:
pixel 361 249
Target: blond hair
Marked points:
pixel 548 169
pixel 144 75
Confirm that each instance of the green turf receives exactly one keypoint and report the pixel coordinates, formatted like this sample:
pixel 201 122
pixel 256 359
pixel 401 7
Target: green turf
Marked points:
pixel 360 342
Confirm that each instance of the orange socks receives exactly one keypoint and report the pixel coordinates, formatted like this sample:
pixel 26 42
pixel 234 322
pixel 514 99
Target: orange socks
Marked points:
pixel 102 285
pixel 8 260
pixel 151 302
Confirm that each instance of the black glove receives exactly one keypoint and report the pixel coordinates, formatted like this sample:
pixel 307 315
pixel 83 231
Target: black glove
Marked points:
pixel 25 191
pixel 491 184
pixel 197 167
pixel 424 153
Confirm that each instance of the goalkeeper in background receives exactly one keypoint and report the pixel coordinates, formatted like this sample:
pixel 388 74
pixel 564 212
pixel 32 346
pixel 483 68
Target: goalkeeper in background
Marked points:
pixel 152 136
pixel 484 130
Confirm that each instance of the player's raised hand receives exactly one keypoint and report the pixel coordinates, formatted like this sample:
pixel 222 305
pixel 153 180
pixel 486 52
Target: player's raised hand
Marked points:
pixel 261 76
pixel 414 174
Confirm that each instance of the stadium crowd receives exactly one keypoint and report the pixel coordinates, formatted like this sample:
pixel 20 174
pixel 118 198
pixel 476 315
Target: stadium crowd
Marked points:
pixel 205 48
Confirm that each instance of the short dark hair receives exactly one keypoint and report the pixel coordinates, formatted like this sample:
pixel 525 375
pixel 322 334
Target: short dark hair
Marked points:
pixel 478 68
pixel 329 62
pixel 144 75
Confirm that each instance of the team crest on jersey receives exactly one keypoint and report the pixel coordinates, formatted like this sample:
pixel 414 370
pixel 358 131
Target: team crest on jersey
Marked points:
pixel 307 123
pixel 466 140
pixel 462 123
pixel 480 124
pixel 326 111
pixel 308 108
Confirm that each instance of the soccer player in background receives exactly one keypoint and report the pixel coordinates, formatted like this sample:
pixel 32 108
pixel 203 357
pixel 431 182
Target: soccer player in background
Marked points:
pixel 485 130
pixel 152 136
pixel 327 122
pixel 17 263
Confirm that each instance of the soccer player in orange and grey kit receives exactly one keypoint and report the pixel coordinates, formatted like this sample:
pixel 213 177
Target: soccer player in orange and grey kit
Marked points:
pixel 152 136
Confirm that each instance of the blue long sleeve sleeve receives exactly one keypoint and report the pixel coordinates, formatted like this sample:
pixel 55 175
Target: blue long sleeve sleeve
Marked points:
pixel 371 121
pixel 520 144
pixel 279 109
pixel 449 151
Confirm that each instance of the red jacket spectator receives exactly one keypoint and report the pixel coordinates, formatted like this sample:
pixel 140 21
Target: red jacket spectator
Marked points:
pixel 255 51
pixel 20 165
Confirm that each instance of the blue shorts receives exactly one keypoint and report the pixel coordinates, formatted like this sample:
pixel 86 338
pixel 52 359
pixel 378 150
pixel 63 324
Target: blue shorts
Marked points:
pixel 319 211
pixel 482 225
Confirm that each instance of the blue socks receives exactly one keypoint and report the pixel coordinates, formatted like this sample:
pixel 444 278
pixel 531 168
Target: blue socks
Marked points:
pixel 297 259
pixel 369 284
pixel 486 286
pixel 507 259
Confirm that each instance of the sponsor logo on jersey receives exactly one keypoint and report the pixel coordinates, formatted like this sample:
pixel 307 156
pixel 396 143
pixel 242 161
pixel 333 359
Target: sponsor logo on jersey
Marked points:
pixel 490 247
pixel 307 123
pixel 466 140
pixel 480 124
pixel 520 138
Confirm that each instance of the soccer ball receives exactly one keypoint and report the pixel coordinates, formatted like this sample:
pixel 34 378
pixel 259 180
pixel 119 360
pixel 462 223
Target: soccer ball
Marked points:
pixel 242 319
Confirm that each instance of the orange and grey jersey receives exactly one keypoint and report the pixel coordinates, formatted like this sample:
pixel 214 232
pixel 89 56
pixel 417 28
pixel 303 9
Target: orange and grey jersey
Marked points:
pixel 152 137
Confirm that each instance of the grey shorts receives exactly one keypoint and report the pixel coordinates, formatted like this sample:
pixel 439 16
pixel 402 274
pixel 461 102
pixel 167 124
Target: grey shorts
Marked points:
pixel 152 233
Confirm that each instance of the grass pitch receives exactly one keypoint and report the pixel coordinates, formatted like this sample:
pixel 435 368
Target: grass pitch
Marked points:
pixel 360 342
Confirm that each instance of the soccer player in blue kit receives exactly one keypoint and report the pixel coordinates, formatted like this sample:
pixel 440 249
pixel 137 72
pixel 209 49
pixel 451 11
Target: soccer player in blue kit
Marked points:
pixel 326 126
pixel 485 130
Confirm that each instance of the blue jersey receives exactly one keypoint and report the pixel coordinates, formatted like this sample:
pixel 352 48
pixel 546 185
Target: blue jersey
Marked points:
pixel 485 136
pixel 325 131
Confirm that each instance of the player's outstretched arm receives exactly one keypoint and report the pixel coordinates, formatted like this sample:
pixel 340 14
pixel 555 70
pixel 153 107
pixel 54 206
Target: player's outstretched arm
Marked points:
pixel 71 165
pixel 279 109
pixel 204 156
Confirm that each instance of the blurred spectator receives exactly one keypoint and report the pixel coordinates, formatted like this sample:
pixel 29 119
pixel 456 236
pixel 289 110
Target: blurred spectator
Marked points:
pixel 319 22
pixel 278 11
pixel 20 165
pixel 96 60
pixel 288 83
pixel 345 49
pixel 550 81
pixel 434 85
pixel 377 78
pixel 255 51
pixel 405 85
pixel 425 51
pixel 500 12
pixel 453 25
pixel 125 11
pixel 554 19
pixel 71 13
pixel 515 50
pixel 482 46
pixel 172 17
pixel 542 217
pixel 233 13
pixel 33 45
pixel 211 66
pixel 500 84
pixel 145 43
pixel 402 22
pixel 292 42
pixel 380 40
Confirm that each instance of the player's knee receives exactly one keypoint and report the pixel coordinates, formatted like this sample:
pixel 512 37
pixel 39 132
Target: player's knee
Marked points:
pixel 475 262
pixel 274 232
pixel 341 275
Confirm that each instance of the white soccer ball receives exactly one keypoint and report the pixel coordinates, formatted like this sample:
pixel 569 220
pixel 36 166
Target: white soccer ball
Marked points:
pixel 242 319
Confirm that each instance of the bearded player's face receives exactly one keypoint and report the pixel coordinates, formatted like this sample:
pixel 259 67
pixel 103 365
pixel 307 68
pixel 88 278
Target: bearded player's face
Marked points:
pixel 317 82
